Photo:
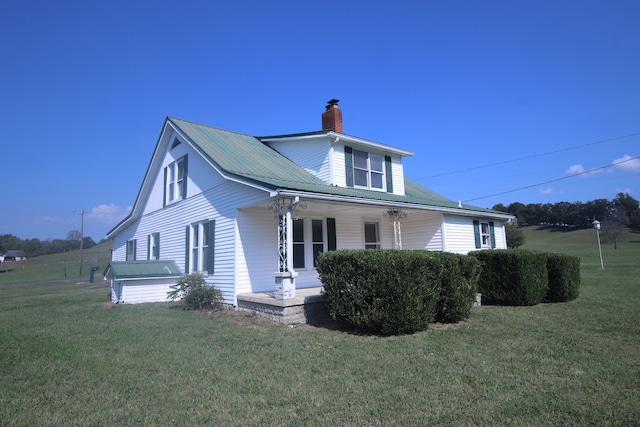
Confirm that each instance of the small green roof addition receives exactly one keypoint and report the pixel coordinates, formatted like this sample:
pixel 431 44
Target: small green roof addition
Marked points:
pixel 141 269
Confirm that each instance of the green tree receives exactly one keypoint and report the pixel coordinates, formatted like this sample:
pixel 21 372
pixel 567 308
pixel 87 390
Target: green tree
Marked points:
pixel 500 207
pixel 611 231
pixel 515 236
pixel 626 211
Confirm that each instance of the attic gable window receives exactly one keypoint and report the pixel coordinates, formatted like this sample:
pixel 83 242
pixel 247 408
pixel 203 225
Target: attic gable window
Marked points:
pixel 175 181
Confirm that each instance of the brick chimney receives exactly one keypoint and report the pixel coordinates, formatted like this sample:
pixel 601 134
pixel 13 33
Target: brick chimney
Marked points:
pixel 332 117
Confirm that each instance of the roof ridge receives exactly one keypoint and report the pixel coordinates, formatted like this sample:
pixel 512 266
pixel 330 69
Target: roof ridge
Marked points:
pixel 212 127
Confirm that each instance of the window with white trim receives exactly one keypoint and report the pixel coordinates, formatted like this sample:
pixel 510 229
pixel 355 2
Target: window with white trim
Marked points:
pixel 371 235
pixel 485 234
pixel 199 249
pixel 153 251
pixel 175 176
pixel 131 250
pixel 309 241
pixel 298 244
pixel 368 170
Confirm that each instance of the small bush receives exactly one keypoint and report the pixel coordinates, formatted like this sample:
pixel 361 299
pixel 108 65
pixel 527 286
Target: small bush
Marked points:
pixel 396 292
pixel 564 277
pixel 196 294
pixel 512 277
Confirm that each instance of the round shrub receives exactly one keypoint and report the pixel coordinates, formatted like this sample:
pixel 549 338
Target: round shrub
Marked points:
pixel 195 293
pixel 380 291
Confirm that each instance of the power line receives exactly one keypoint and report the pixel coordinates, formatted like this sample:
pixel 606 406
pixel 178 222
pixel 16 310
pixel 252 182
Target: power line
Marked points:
pixel 530 157
pixel 553 180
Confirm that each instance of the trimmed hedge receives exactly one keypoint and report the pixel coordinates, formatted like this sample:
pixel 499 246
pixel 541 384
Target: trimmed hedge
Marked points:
pixel 512 277
pixel 564 277
pixel 459 286
pixel 395 292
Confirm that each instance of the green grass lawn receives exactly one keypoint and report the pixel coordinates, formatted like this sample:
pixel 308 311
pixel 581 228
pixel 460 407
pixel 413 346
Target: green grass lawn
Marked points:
pixel 76 359
pixel 57 266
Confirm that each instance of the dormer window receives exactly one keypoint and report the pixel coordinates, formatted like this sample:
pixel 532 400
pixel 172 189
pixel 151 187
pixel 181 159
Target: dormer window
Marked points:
pixel 368 170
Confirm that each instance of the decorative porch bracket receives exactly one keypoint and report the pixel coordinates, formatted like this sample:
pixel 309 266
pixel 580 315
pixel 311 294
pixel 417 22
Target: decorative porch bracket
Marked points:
pixel 395 217
pixel 285 209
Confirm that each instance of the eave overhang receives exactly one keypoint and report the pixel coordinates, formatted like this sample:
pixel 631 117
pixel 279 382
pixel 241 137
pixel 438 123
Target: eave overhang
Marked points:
pixel 464 210
pixel 337 137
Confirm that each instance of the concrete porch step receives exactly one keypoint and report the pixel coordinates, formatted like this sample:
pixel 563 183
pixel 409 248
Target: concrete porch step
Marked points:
pixel 307 307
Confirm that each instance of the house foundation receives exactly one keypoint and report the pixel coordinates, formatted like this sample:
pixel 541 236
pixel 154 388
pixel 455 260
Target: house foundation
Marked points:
pixel 307 307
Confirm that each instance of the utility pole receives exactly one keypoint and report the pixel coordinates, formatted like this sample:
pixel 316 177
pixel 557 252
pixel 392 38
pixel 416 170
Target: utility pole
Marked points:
pixel 81 236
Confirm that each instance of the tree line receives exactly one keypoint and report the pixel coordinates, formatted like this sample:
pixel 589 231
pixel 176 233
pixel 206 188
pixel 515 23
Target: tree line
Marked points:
pixel 36 247
pixel 623 211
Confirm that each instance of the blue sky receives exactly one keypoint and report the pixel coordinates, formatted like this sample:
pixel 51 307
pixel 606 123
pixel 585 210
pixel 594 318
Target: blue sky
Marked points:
pixel 86 86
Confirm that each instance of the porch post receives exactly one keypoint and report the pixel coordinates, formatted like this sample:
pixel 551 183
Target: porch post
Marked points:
pixel 395 217
pixel 285 277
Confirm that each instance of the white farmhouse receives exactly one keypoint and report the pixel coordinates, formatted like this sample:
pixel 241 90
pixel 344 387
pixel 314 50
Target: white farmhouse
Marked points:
pixel 253 213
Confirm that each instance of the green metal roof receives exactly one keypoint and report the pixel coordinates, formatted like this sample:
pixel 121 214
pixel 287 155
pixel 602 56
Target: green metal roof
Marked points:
pixel 141 269
pixel 247 157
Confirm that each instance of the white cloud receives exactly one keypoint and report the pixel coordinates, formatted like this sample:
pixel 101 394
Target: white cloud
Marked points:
pixel 574 169
pixel 624 190
pixel 579 169
pixel 110 213
pixel 627 163
pixel 547 190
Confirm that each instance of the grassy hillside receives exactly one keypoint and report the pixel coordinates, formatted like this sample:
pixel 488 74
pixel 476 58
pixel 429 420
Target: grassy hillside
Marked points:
pixel 584 243
pixel 57 266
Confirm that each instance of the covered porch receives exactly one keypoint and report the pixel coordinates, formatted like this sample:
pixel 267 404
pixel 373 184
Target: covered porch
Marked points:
pixel 280 263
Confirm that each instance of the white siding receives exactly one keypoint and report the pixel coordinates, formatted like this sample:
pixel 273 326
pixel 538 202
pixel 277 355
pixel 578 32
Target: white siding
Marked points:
pixel 459 234
pixel 422 230
pixel 350 231
pixel 257 250
pixel 339 174
pixel 119 248
pixel 171 222
pixel 501 237
pixel 200 175
pixel 397 174
pixel 311 155
pixel 148 290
